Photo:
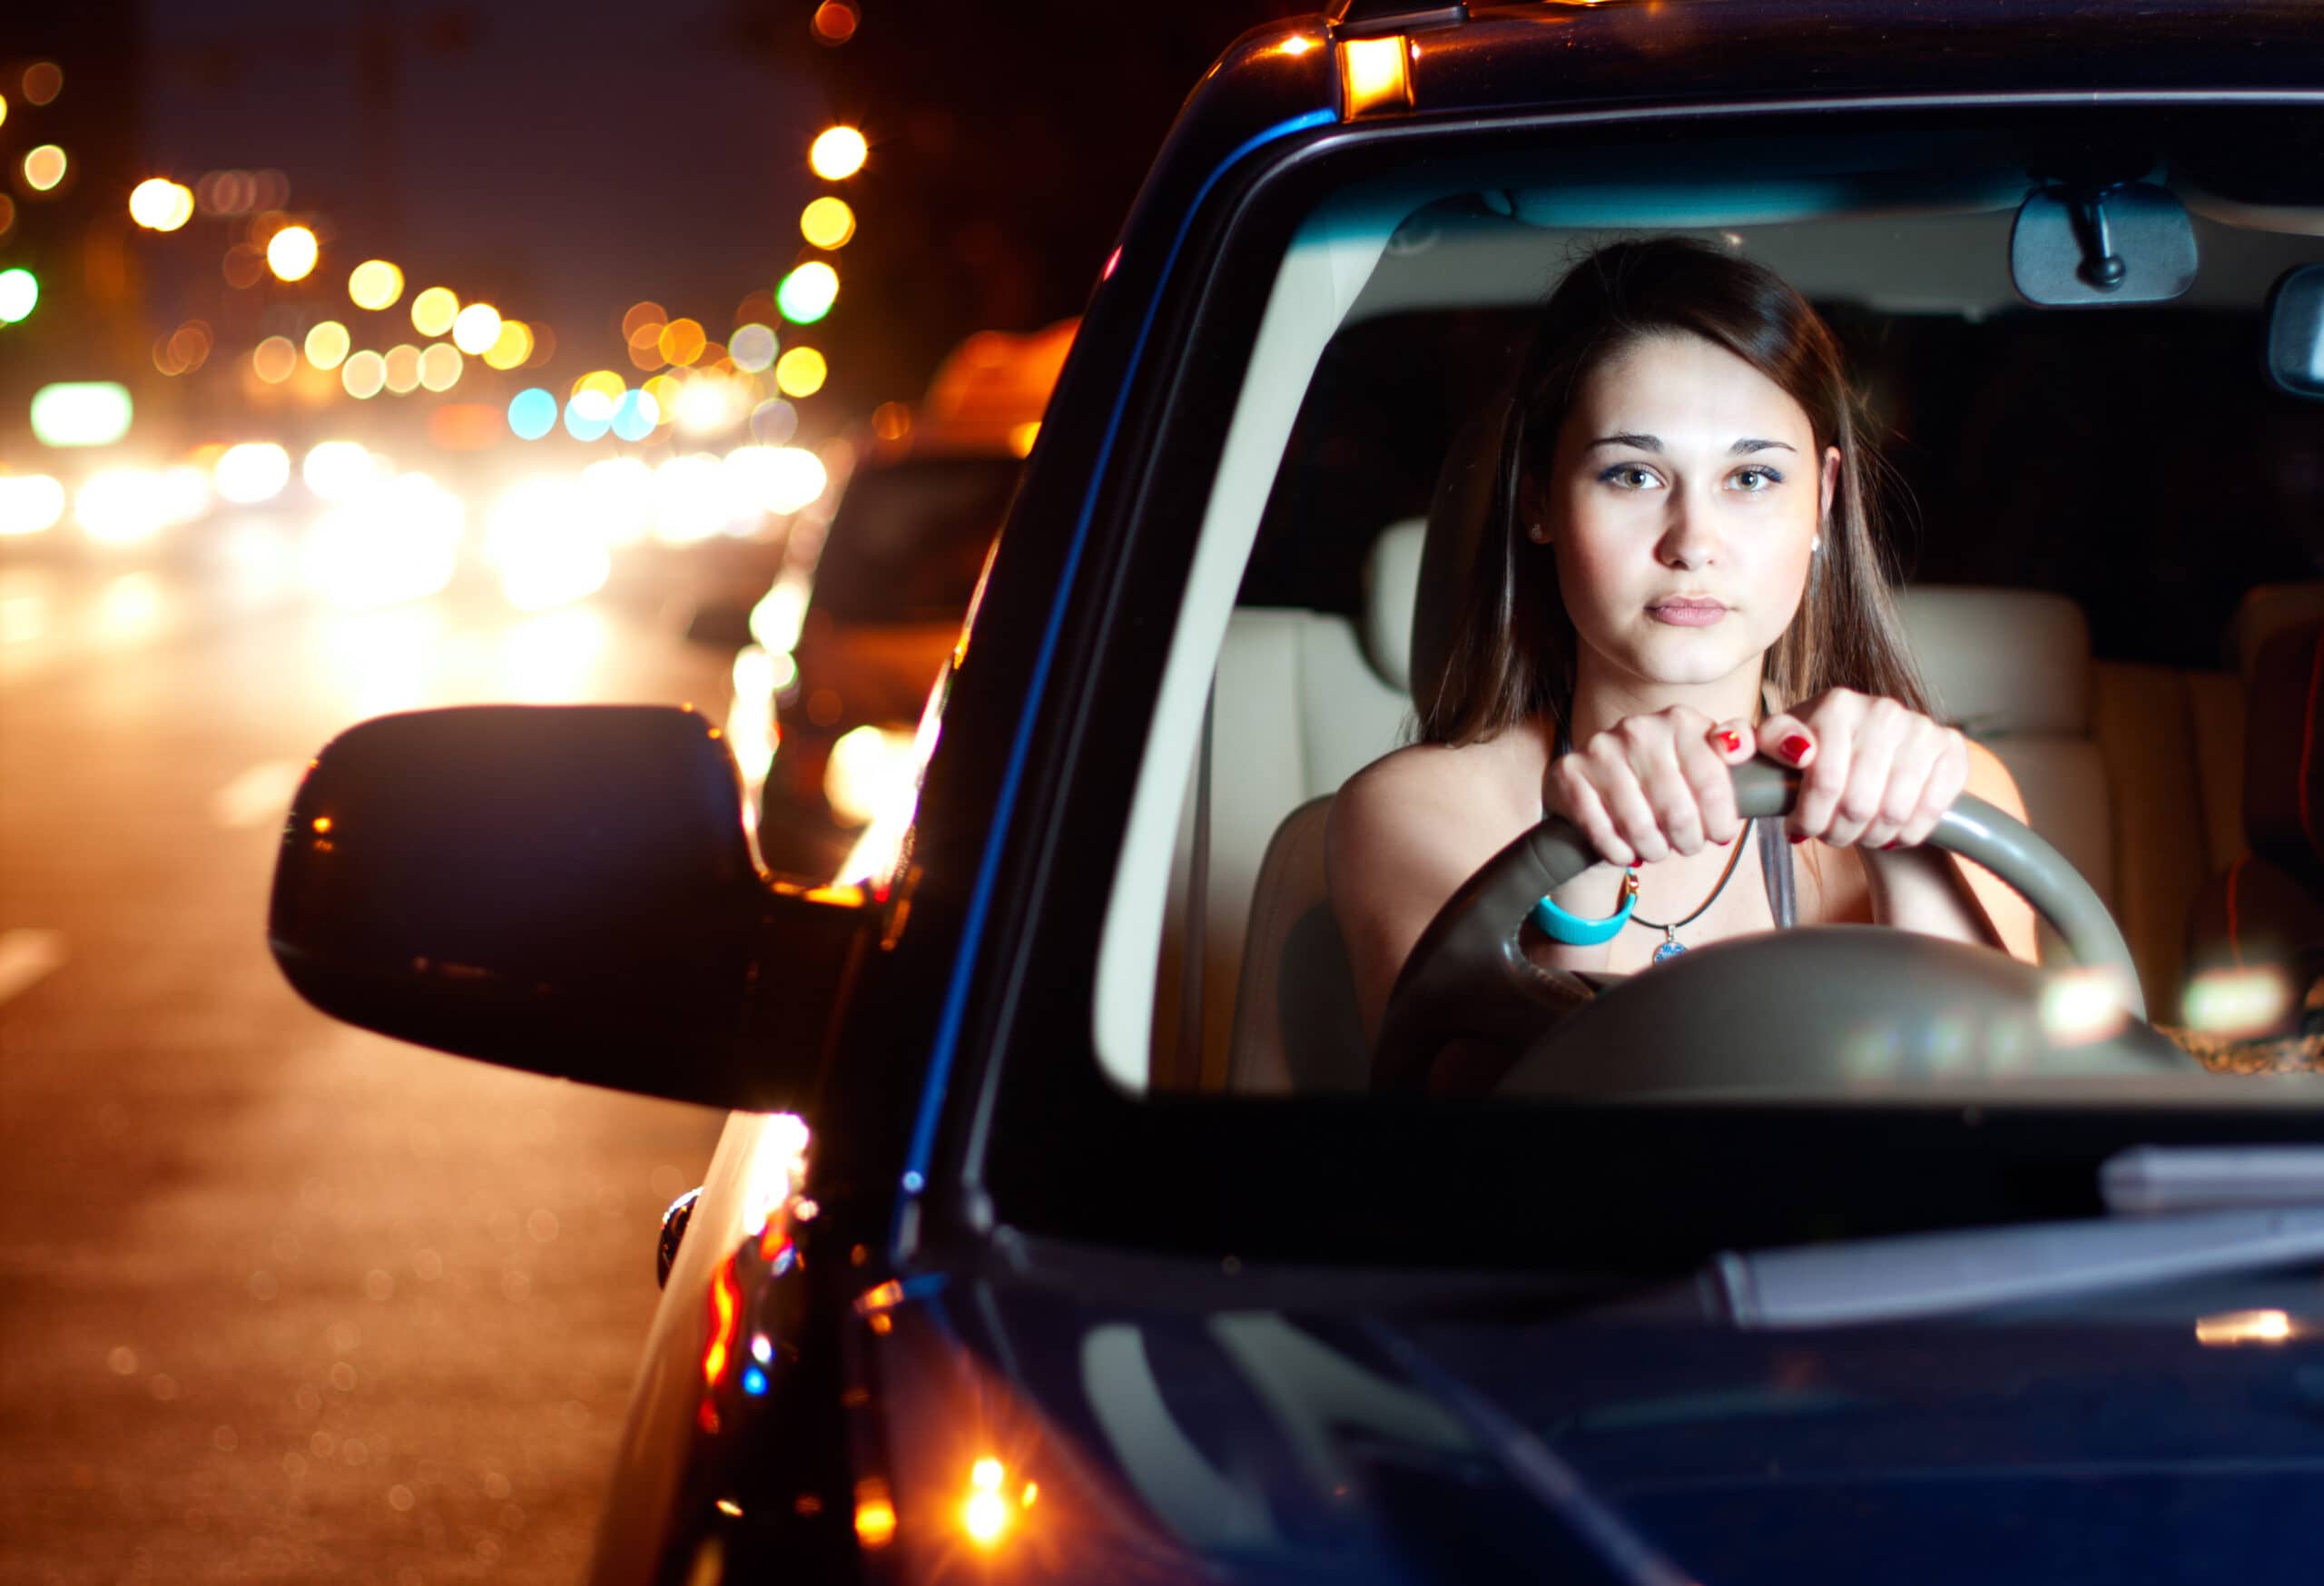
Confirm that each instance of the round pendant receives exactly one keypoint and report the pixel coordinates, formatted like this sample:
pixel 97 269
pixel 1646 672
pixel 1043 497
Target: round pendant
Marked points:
pixel 1670 949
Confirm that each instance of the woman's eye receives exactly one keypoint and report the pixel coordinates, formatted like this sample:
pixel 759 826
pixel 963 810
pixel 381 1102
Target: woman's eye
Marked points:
pixel 1751 481
pixel 1630 477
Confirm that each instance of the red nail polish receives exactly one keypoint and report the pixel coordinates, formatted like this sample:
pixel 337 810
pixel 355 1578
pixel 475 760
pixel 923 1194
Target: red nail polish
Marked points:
pixel 1729 741
pixel 1795 748
pixel 1887 846
pixel 1799 836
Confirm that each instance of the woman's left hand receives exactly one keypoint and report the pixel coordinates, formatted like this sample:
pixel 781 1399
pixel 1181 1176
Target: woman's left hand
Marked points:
pixel 1873 772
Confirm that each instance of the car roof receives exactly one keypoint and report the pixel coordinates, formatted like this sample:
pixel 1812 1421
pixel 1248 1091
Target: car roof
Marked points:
pixel 1561 53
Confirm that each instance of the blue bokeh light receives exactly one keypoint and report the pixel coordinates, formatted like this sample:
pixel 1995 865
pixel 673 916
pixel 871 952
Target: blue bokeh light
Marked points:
pixel 755 1382
pixel 585 426
pixel 532 413
pixel 635 416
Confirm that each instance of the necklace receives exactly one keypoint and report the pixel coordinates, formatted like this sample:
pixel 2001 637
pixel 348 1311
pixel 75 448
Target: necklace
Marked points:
pixel 1672 946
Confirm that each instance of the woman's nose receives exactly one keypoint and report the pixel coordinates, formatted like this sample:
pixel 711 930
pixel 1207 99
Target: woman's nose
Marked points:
pixel 1688 540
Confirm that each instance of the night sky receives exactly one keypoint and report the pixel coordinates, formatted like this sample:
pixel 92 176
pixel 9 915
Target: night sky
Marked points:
pixel 563 159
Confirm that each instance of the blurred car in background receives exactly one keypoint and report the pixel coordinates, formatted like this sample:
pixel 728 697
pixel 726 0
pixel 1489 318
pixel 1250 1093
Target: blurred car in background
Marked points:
pixel 863 613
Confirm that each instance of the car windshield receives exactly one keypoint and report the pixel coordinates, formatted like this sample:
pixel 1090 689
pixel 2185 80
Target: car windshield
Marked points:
pixel 909 538
pixel 2104 517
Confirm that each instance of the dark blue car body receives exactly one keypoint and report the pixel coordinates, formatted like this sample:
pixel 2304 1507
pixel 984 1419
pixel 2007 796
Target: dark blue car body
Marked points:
pixel 1319 1371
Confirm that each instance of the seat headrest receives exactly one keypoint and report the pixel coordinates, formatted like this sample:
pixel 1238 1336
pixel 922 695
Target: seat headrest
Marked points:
pixel 2283 776
pixel 1391 582
pixel 2001 662
pixel 2265 611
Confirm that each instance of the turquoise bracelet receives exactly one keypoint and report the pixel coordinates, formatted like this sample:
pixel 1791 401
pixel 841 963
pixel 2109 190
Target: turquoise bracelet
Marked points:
pixel 1572 931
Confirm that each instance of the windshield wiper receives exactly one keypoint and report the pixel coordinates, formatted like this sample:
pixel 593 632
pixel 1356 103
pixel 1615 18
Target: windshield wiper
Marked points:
pixel 2203 1211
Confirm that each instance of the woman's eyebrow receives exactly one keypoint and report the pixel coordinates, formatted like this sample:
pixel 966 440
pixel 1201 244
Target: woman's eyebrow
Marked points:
pixel 1654 443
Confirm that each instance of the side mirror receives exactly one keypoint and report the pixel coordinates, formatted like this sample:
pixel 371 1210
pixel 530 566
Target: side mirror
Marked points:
pixel 2296 332
pixel 561 889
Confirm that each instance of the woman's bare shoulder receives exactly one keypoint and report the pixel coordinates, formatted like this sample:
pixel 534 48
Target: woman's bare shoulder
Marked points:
pixel 1422 784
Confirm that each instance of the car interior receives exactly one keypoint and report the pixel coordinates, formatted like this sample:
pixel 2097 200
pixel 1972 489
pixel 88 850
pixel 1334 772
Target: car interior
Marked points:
pixel 2110 524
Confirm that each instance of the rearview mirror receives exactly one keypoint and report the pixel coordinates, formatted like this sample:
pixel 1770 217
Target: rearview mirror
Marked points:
pixel 566 890
pixel 2296 332
pixel 2079 245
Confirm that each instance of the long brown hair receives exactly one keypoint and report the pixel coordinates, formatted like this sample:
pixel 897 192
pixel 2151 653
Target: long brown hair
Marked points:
pixel 1511 649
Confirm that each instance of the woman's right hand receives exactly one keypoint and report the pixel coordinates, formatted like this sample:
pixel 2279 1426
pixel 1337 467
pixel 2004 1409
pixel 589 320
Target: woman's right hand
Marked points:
pixel 1651 786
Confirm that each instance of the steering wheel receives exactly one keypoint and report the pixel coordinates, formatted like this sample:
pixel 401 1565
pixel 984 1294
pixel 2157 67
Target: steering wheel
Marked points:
pixel 1814 1005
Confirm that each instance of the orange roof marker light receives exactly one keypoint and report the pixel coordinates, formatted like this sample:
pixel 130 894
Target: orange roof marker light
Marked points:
pixel 1373 76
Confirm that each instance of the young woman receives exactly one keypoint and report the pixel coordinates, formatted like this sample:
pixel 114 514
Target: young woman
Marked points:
pixel 1681 573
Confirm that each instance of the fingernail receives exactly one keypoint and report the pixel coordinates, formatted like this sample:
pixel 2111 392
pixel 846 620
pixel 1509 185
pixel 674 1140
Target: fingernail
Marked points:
pixel 1887 846
pixel 1796 748
pixel 1797 837
pixel 1729 740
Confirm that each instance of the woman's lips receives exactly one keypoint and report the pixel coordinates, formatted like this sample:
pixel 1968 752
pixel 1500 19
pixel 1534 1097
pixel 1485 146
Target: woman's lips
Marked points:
pixel 1687 614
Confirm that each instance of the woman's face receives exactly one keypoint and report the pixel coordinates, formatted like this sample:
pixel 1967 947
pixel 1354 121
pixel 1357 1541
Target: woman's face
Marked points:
pixel 1682 500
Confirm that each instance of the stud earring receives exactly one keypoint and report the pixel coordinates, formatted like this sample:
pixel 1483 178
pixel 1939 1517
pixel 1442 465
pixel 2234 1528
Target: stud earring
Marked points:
pixel 1538 533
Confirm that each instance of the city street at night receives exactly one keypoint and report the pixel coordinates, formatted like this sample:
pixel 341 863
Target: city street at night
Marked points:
pixel 282 1300
pixel 1399 793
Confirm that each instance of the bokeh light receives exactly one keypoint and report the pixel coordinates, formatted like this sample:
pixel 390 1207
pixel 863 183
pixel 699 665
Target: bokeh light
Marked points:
pixel 81 413
pixel 827 222
pixel 339 470
pixel 709 402
pixel 680 341
pixel 641 314
pixel 159 205
pixel 834 22
pixel 44 168
pixel 184 349
pixel 666 389
pixel 274 359
pixel 375 285
pixel 121 504
pixel 252 472
pixel 752 347
pixel 617 494
pixel 7 213
pixel 291 253
pixel 327 344
pixel 511 346
pixel 42 81
pixel 541 539
pixel 800 372
pixel 807 293
pixel 781 479
pixel 441 366
pixel 892 420
pixel 4 122
pixel 606 383
pixel 398 542
pixel 243 264
pixel 532 413
pixel 773 421
pixel 30 503
pixel 363 374
pixel 433 311
pixel 837 153
pixel 19 294
pixel 402 368
pixel 476 328
pixel 588 415
pixel 636 416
